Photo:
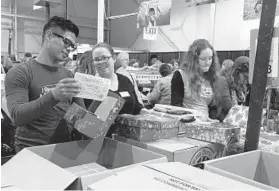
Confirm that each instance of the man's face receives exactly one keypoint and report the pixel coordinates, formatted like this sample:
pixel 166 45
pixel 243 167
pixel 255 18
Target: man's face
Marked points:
pixel 60 44
pixel 153 61
pixel 151 15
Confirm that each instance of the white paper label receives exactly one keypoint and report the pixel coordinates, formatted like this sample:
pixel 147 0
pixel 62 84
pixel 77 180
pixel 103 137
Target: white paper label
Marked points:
pixel 147 77
pixel 124 94
pixel 272 71
pixel 93 87
pixel 144 82
pixel 150 33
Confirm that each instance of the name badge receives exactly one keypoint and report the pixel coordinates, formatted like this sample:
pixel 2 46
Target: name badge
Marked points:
pixel 124 94
pixel 206 92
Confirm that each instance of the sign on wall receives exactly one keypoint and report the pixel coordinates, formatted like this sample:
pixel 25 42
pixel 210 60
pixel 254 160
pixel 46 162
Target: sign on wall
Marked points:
pixel 154 13
pixel 273 68
pixel 150 33
pixel 193 3
pixel 253 9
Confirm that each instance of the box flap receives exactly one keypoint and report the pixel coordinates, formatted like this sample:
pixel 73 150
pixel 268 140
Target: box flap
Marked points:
pixel 70 153
pixel 232 167
pixel 168 176
pixel 21 172
pixel 115 154
pixel 234 164
pixel 270 169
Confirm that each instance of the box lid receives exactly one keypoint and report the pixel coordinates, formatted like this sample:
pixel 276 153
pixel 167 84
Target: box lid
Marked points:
pixel 147 121
pixel 168 176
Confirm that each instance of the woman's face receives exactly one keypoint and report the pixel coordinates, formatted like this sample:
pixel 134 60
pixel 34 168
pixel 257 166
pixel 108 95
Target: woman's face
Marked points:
pixel 205 59
pixel 175 65
pixel 243 78
pixel 103 62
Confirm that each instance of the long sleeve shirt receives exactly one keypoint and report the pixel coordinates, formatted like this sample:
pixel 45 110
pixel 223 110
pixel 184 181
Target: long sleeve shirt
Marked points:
pixel 161 94
pixel 31 104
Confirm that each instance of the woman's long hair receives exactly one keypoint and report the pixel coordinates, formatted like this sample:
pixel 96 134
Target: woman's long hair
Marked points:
pixel 241 65
pixel 85 64
pixel 190 65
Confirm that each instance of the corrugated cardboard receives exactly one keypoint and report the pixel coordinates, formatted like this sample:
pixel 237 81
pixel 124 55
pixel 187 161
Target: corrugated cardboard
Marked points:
pixel 257 168
pixel 183 149
pixel 47 167
pixel 168 176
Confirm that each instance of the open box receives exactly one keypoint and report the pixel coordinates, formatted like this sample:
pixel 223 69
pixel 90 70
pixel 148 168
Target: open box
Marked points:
pixel 47 167
pixel 257 168
pixel 168 176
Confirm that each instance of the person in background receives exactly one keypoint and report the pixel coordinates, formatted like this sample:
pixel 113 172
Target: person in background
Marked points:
pixel 175 64
pixel 161 94
pixel 104 61
pixel 155 62
pixel 134 63
pixel 13 58
pixel 85 64
pixel 194 86
pixel 40 91
pixel 234 87
pixel 226 65
pixel 27 57
pixel 121 66
pixel 7 64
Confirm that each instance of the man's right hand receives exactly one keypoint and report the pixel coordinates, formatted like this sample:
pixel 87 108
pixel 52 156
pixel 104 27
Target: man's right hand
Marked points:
pixel 66 88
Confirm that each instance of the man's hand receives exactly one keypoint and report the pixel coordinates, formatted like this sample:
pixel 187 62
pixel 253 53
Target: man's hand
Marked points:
pixel 66 88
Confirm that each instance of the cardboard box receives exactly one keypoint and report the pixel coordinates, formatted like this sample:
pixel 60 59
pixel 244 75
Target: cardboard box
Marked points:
pixel 50 167
pixel 266 140
pixel 168 176
pixel 256 168
pixel 185 150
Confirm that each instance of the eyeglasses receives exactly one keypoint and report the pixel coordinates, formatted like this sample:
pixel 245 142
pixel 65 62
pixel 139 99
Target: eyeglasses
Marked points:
pixel 67 42
pixel 205 58
pixel 102 59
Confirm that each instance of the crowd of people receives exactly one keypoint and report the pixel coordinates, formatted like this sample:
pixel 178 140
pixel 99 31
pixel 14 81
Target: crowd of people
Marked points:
pixel 39 91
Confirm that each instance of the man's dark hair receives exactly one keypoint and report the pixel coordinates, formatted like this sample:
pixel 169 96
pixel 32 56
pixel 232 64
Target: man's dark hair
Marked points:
pixel 62 23
pixel 154 56
pixel 151 10
pixel 28 55
pixel 165 70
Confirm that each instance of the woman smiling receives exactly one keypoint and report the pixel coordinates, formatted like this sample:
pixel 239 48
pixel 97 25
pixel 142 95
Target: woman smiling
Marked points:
pixel 104 60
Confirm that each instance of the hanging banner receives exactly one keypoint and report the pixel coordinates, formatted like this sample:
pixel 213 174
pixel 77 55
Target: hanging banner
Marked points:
pixel 272 71
pixel 273 65
pixel 154 13
pixel 253 9
pixel 193 3
pixel 150 33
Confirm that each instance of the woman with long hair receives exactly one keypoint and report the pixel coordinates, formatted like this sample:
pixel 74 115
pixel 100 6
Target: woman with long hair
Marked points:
pixel 85 64
pixel 234 86
pixel 195 84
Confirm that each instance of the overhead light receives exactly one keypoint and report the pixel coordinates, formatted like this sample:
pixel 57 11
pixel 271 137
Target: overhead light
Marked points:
pixel 35 7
